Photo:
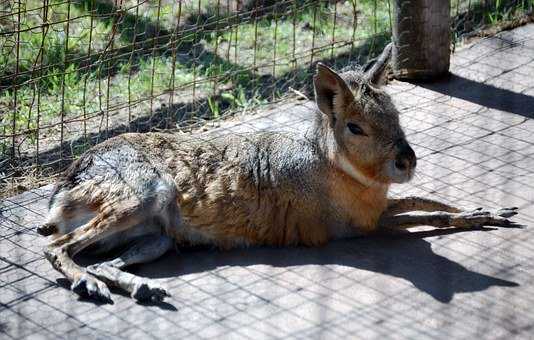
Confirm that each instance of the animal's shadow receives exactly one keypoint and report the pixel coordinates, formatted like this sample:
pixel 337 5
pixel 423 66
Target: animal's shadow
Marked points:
pixel 409 257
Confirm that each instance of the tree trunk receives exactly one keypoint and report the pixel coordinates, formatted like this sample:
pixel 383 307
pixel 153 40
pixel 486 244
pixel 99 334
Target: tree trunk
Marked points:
pixel 421 39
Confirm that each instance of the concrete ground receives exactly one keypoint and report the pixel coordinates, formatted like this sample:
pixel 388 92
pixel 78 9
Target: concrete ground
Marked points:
pixel 474 135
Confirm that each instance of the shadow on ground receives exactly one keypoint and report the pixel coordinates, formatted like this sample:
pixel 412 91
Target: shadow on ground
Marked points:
pixel 408 257
pixel 484 95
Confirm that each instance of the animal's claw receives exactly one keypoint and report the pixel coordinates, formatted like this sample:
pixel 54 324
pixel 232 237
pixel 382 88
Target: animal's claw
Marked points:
pixel 482 217
pixel 148 291
pixel 507 212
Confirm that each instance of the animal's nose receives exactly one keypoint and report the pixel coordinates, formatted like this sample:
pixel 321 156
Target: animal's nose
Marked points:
pixel 405 158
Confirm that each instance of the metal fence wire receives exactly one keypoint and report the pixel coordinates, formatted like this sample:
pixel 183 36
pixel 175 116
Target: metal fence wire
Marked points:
pixel 75 72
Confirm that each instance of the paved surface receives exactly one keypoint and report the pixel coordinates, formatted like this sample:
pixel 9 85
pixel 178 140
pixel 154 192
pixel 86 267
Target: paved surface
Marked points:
pixel 474 137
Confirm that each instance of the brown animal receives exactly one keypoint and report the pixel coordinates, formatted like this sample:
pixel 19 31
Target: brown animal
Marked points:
pixel 153 191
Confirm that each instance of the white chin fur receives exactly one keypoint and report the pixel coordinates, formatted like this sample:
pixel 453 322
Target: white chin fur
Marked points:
pixel 351 170
pixel 396 175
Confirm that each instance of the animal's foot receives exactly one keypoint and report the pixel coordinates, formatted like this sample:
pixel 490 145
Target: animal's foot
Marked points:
pixel 482 217
pixel 89 286
pixel 147 291
pixel 140 288
pixel 47 229
pixel 507 212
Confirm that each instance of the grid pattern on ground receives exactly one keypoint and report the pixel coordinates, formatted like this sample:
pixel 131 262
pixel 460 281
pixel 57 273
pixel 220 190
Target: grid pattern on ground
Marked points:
pixel 473 136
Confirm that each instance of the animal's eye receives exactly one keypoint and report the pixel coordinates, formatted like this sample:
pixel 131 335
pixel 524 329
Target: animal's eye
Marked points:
pixel 355 129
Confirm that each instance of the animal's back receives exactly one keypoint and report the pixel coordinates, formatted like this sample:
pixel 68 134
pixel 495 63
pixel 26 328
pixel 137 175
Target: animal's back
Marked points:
pixel 263 190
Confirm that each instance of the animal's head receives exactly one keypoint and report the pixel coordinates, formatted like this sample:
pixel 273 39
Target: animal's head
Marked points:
pixel 370 144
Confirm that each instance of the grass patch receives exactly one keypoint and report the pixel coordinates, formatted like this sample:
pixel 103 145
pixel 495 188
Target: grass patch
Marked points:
pixel 471 15
pixel 90 94
pixel 282 43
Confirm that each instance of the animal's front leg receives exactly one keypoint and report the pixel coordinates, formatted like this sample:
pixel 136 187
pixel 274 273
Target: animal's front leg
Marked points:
pixel 413 203
pixel 140 288
pixel 443 219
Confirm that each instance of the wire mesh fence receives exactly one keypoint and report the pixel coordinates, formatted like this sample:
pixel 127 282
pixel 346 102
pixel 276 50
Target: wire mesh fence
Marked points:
pixel 475 147
pixel 75 72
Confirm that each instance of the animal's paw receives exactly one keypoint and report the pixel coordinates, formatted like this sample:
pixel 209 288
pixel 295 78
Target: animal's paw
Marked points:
pixel 148 291
pixel 89 286
pixel 507 212
pixel 482 217
pixel 47 229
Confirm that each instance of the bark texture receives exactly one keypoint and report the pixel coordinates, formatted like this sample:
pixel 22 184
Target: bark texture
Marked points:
pixel 421 39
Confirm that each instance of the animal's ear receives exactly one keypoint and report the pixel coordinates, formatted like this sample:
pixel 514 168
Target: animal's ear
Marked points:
pixel 376 73
pixel 332 94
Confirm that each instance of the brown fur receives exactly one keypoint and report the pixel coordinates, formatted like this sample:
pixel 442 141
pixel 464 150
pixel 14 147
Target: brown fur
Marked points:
pixel 364 205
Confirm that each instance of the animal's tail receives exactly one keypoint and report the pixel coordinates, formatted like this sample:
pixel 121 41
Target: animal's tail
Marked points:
pixel 55 219
pixel 50 226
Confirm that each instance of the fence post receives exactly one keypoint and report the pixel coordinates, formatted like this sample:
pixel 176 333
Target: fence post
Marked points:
pixel 421 39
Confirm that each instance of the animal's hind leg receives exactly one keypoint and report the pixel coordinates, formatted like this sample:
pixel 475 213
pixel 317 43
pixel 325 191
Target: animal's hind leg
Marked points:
pixel 140 288
pixel 112 217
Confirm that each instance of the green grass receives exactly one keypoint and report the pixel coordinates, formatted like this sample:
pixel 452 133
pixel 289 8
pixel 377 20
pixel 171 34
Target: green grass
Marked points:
pixel 470 15
pixel 88 93
pixel 506 10
pixel 282 43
